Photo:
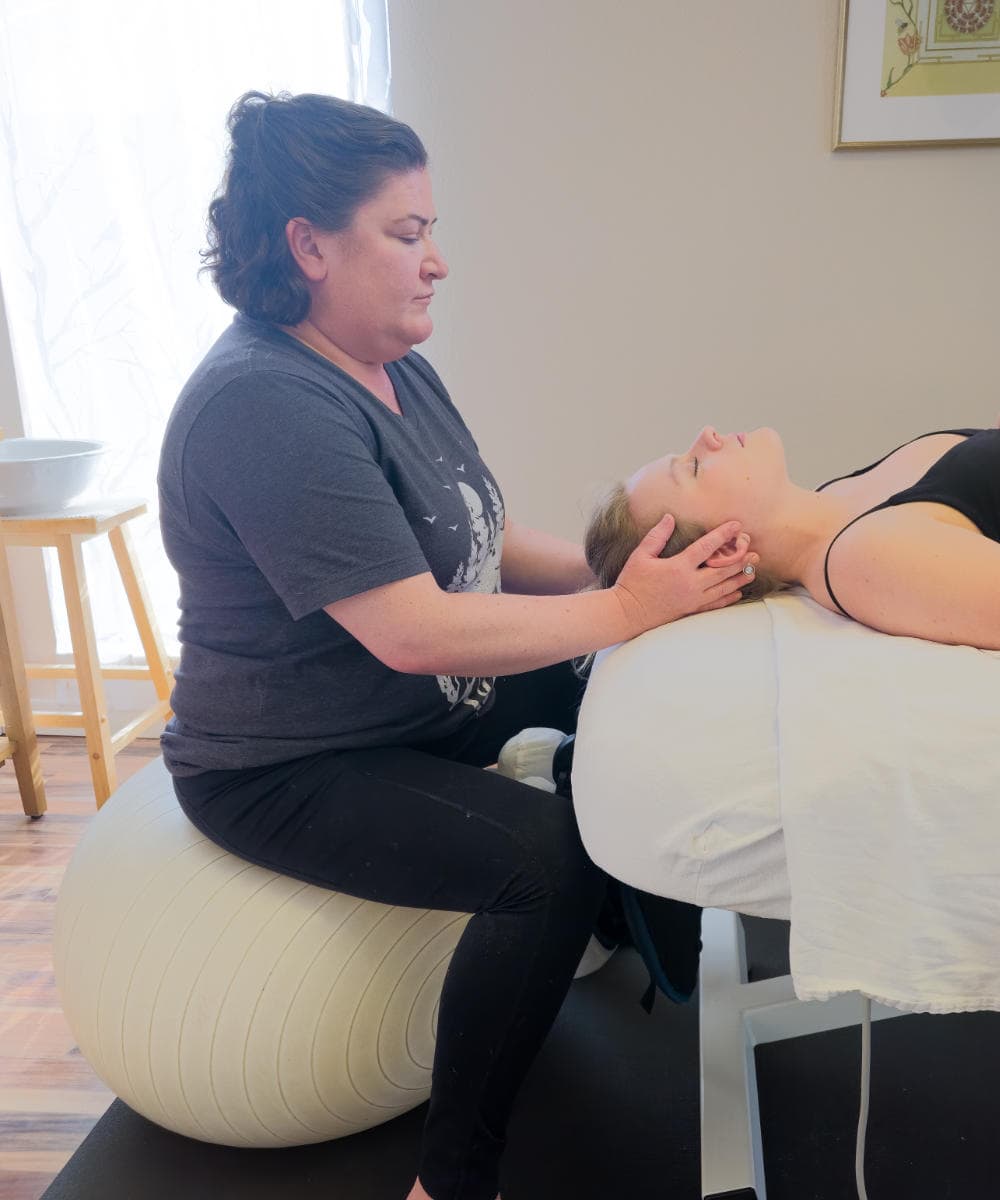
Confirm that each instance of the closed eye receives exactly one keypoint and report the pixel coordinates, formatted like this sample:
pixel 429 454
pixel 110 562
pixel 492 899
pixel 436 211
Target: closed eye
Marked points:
pixel 696 468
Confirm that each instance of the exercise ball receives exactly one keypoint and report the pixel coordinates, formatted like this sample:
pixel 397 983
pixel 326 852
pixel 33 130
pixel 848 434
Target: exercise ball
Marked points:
pixel 232 1004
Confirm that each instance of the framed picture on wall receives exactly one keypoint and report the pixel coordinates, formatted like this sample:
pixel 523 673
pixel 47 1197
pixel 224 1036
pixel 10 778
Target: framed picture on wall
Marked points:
pixel 918 73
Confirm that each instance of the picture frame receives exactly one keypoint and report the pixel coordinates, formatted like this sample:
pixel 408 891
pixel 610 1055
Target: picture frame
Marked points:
pixel 917 73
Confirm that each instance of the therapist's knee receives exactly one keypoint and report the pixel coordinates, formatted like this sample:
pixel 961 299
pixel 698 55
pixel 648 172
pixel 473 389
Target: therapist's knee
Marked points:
pixel 553 863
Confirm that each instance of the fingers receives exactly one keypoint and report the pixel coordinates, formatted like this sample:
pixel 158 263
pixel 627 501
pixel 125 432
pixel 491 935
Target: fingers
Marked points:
pixel 659 535
pixel 731 553
pixel 733 566
pixel 715 539
pixel 727 589
pixel 724 602
pixel 736 572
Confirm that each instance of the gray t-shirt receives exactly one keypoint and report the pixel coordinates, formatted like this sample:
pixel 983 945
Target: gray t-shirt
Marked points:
pixel 285 485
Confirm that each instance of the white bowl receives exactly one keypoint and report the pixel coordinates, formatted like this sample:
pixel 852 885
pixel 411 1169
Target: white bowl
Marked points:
pixel 42 475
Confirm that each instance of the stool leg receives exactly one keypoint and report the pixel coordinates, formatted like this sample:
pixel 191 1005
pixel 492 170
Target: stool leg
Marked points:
pixel 15 702
pixel 88 667
pixel 138 598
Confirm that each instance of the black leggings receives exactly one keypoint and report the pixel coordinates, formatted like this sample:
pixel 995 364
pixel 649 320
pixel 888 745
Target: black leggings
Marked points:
pixel 425 827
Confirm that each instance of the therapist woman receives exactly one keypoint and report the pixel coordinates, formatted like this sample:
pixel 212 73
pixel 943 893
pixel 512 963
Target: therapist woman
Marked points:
pixel 362 624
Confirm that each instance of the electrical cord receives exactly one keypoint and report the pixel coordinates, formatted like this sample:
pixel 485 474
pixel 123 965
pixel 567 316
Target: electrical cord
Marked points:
pixel 866 1070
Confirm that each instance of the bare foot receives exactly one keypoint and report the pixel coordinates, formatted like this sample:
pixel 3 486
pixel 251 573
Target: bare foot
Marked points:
pixel 417 1192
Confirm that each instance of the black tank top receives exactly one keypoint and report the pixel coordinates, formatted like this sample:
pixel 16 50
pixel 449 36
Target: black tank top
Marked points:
pixel 965 478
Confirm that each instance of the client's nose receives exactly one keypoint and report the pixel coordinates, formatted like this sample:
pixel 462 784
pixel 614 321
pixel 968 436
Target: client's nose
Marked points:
pixel 708 439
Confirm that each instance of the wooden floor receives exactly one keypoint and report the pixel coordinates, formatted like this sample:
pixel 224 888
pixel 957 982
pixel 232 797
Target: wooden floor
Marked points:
pixel 49 1097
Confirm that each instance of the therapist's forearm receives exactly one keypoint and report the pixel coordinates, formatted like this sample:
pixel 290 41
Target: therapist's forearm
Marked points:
pixel 540 564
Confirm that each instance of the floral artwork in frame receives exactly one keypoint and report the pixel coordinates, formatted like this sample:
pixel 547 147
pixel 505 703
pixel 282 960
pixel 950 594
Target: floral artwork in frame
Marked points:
pixel 918 73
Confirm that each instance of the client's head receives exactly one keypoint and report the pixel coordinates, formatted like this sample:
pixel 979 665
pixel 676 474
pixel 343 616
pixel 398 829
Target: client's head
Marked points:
pixel 720 478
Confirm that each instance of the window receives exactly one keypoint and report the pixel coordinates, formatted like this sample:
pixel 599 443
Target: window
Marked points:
pixel 112 136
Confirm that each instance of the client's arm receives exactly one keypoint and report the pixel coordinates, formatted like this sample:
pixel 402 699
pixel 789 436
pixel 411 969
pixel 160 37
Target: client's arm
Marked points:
pixel 906 572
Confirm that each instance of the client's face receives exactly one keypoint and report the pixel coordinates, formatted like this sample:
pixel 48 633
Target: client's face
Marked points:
pixel 722 477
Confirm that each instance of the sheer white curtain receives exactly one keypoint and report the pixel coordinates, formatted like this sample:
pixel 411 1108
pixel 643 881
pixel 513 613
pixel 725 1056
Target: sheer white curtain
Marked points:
pixel 112 136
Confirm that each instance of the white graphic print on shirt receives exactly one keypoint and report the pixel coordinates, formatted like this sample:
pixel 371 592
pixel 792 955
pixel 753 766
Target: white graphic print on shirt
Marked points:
pixel 479 573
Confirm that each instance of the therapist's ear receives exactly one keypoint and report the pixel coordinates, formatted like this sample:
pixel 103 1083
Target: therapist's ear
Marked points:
pixel 306 249
pixel 731 553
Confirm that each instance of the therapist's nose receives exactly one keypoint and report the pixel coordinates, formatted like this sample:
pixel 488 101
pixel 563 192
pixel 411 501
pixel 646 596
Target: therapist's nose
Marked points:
pixel 434 265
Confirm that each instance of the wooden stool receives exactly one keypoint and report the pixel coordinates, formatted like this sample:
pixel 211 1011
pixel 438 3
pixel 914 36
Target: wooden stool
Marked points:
pixel 20 743
pixel 67 531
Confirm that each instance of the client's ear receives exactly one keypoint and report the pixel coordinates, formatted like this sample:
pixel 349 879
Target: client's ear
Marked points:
pixel 731 552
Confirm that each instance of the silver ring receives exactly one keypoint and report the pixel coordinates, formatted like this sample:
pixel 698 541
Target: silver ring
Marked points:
pixel 749 569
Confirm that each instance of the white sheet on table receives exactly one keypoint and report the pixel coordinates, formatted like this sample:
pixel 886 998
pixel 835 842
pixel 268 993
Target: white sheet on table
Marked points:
pixel 889 766
pixel 782 761
pixel 675 770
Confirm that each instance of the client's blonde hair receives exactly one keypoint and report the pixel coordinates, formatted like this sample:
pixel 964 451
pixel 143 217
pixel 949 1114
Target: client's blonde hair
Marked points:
pixel 612 534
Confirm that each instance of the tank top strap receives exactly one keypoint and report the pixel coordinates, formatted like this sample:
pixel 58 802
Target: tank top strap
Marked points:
pixel 885 504
pixel 880 461
pixel 826 558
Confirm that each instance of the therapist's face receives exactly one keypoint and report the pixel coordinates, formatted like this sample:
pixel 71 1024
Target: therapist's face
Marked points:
pixel 372 284
pixel 721 477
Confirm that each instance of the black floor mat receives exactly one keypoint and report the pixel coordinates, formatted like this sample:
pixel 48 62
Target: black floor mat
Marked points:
pixel 610 1112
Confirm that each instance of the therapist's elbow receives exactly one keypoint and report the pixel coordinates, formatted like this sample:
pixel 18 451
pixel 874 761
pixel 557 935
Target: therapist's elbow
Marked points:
pixel 423 651
pixel 407 660
pixel 404 625
pixel 420 648
pixel 395 650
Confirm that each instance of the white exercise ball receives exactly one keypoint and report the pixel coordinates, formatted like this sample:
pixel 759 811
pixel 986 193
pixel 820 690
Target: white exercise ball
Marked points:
pixel 233 1004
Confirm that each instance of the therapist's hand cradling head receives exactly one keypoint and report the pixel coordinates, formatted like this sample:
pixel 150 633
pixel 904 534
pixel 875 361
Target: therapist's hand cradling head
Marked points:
pixel 710 572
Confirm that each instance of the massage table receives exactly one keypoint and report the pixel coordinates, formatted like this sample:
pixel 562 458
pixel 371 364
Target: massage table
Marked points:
pixel 782 761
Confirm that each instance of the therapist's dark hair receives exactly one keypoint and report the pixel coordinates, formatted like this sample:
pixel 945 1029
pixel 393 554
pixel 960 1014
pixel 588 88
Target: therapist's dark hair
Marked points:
pixel 307 156
pixel 612 534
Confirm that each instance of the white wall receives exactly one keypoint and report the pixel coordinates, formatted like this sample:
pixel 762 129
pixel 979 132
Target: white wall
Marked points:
pixel 648 231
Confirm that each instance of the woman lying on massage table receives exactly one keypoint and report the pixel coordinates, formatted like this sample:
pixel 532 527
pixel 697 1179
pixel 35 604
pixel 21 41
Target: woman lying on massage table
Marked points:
pixel 909 545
